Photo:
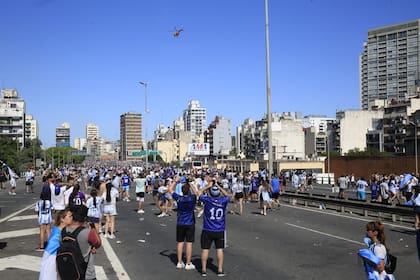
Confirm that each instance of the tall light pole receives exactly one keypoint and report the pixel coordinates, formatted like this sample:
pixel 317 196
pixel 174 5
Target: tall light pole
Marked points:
pixel 267 71
pixel 415 146
pixel 145 84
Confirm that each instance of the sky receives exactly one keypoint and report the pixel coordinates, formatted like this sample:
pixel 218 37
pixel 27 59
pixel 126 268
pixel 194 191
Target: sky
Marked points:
pixel 81 61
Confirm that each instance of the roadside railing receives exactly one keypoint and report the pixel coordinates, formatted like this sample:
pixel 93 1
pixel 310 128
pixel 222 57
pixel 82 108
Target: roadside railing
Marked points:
pixel 400 213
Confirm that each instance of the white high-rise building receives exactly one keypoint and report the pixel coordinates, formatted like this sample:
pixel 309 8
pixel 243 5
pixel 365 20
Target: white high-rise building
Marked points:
pixel 390 63
pixel 31 128
pixel 195 118
pixel 92 131
pixel 12 116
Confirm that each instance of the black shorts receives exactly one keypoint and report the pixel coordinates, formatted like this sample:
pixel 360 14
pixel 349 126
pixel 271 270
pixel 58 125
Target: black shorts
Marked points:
pixel 185 233
pixel 207 238
pixel 253 191
pixel 239 195
pixel 140 194
pixel 275 195
pixel 29 183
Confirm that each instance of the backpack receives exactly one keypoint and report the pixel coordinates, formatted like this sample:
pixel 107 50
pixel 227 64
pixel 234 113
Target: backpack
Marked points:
pixel 391 263
pixel 70 262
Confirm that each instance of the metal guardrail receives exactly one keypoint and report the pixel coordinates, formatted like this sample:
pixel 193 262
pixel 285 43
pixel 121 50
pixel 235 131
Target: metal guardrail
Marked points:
pixel 400 213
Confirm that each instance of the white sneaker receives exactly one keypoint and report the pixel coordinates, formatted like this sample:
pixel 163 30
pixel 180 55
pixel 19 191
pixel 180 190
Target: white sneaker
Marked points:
pixel 163 214
pixel 180 265
pixel 107 235
pixel 127 199
pixel 189 266
pixel 112 236
pixel 140 211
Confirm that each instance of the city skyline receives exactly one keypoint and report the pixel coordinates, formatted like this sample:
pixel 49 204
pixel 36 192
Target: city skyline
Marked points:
pixel 81 62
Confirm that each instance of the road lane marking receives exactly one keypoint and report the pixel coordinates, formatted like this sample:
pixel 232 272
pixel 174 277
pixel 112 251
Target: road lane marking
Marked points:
pixel 17 213
pixel 18 233
pixel 114 260
pixel 326 234
pixel 21 218
pixel 33 263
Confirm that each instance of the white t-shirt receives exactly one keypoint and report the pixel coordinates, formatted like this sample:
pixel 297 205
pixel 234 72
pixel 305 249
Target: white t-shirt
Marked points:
pixel 57 200
pixel 67 194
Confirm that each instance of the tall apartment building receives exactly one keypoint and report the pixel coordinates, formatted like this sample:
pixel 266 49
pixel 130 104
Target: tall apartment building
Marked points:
pixel 131 140
pixel 12 116
pixel 195 118
pixel 31 128
pixel 218 135
pixel 92 131
pixel 390 64
pixel 62 135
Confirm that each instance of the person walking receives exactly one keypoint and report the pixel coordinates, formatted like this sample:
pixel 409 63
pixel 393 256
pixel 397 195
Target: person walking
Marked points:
pixel 185 226
pixel 214 224
pixel 29 180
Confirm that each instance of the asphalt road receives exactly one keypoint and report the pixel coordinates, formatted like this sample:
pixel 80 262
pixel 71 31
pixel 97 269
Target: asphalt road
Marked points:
pixel 289 243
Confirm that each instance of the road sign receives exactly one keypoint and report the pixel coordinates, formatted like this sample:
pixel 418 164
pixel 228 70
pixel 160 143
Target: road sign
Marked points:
pixel 138 153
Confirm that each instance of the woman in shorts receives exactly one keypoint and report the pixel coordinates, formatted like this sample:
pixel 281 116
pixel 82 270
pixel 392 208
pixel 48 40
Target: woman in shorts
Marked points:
pixel 110 209
pixel 238 195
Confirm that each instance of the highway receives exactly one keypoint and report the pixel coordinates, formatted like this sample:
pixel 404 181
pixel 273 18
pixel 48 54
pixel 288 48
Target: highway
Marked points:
pixel 291 242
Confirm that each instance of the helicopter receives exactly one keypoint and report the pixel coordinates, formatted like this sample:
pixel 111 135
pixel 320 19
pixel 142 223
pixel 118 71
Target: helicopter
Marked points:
pixel 177 32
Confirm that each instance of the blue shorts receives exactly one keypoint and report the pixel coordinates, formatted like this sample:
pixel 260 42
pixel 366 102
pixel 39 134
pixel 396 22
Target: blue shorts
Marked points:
pixel 125 188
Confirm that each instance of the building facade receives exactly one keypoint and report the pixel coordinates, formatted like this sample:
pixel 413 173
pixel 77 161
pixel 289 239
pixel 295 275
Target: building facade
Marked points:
pixel 195 118
pixel 12 116
pixel 31 128
pixel 62 135
pixel 390 63
pixel 218 135
pixel 131 141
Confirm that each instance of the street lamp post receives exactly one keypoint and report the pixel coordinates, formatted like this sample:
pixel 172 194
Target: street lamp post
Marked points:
pixel 415 146
pixel 267 70
pixel 145 84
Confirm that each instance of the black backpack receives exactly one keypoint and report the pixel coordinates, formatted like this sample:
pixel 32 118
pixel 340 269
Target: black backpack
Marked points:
pixel 70 262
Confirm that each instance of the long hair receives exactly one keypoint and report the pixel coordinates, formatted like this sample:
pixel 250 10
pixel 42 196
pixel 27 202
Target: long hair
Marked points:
pixel 108 192
pixel 379 228
pixel 93 194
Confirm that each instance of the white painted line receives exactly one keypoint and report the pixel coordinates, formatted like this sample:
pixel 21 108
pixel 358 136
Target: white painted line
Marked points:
pixel 33 263
pixel 326 234
pixel 18 233
pixel 25 262
pixel 32 205
pixel 21 218
pixel 114 260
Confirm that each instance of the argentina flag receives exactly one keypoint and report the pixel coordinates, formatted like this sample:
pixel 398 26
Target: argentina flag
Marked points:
pixel 48 264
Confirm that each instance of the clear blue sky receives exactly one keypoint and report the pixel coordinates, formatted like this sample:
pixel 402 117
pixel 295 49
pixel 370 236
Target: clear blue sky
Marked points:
pixel 80 61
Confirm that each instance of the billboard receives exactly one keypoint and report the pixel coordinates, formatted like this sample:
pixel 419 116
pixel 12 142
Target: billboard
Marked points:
pixel 199 149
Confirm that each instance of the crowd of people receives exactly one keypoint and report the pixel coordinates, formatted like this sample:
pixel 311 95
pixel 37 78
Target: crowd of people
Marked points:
pixel 190 194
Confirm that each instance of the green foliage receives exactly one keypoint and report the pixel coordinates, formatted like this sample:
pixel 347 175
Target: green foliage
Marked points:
pixel 367 153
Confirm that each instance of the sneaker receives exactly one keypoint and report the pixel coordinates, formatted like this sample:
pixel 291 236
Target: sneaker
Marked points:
pixel 112 236
pixel 39 249
pixel 189 266
pixel 140 211
pixel 180 265
pixel 107 235
pixel 163 214
pixel 127 199
pixel 220 274
pixel 203 273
